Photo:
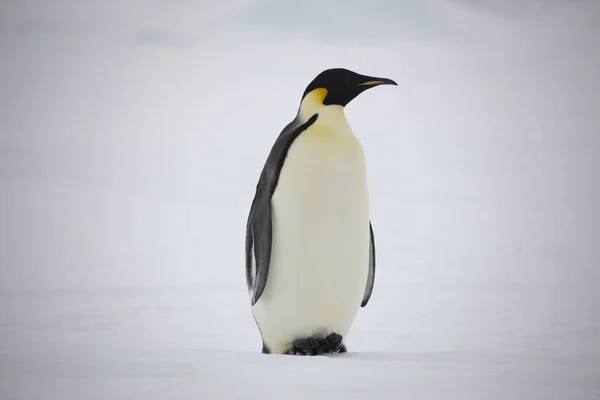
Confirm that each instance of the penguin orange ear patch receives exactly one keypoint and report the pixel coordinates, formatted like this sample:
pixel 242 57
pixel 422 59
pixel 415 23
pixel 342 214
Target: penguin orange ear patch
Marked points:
pixel 318 95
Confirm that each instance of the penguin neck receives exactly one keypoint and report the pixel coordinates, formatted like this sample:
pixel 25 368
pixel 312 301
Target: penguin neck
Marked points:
pixel 312 104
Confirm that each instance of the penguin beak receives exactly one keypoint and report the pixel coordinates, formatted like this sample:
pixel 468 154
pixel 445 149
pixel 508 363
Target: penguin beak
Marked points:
pixel 371 81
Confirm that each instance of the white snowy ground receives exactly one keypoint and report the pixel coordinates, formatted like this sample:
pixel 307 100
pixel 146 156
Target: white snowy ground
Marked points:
pixel 131 138
pixel 440 325
pixel 426 340
pixel 430 340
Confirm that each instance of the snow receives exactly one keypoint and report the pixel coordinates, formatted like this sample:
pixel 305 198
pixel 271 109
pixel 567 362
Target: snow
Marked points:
pixel 428 340
pixel 126 178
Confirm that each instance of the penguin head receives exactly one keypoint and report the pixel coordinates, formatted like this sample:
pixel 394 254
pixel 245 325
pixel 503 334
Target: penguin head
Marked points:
pixel 339 86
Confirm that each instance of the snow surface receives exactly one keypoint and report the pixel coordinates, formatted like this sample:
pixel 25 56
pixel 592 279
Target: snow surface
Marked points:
pixel 427 340
pixel 131 138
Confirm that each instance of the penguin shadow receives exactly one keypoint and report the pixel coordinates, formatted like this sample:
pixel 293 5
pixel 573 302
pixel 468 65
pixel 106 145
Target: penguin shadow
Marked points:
pixel 350 356
pixel 384 356
pixel 362 356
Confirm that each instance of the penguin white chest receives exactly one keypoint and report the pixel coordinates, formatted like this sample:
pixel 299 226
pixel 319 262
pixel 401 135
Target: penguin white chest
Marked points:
pixel 320 245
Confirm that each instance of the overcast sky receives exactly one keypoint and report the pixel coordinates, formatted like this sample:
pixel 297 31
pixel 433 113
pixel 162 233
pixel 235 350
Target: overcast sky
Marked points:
pixel 177 103
pixel 113 79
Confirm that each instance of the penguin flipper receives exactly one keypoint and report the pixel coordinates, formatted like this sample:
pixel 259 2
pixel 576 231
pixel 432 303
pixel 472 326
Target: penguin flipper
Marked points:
pixel 259 229
pixel 371 277
pixel 258 246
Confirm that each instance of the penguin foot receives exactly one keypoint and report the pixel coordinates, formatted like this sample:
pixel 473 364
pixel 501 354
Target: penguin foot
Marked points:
pixel 311 346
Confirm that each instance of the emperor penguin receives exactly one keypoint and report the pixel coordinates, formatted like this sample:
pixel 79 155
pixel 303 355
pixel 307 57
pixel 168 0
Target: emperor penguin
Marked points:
pixel 310 247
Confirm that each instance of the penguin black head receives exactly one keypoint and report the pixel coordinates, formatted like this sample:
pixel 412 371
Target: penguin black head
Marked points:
pixel 341 86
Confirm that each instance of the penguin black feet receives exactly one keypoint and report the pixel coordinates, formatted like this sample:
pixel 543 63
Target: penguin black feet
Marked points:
pixel 312 346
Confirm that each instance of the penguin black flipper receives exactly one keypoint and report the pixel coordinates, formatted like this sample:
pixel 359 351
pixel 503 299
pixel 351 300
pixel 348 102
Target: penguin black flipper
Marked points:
pixel 371 277
pixel 259 228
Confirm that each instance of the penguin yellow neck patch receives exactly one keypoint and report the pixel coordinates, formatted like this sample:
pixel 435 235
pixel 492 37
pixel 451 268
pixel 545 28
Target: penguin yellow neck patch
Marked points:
pixel 317 96
pixel 312 103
